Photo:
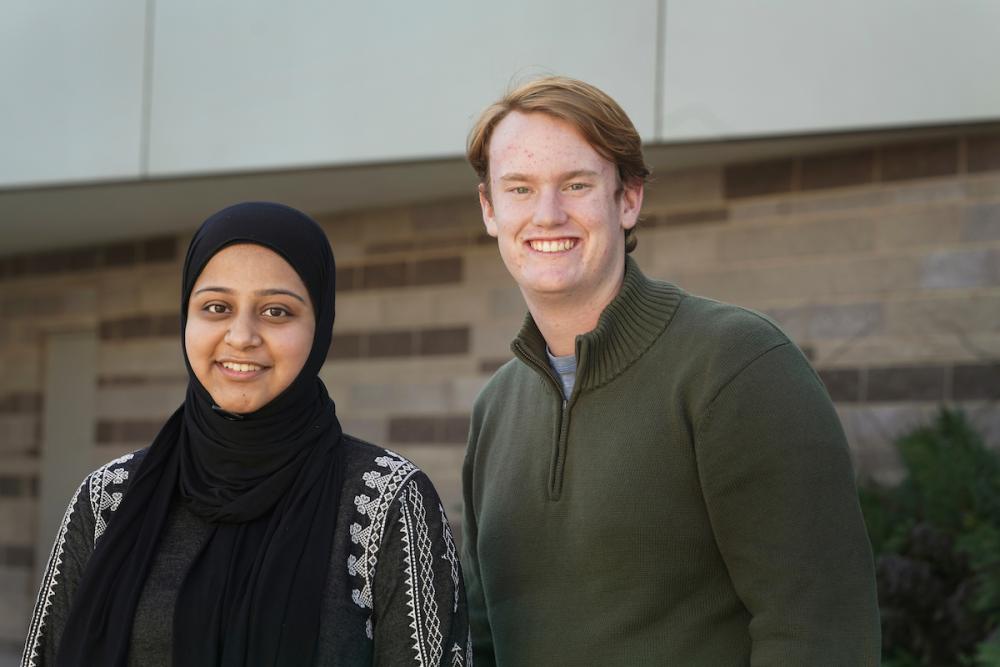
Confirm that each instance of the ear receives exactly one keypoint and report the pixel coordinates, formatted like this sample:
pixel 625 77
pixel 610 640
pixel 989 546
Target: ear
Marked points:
pixel 489 217
pixel 631 203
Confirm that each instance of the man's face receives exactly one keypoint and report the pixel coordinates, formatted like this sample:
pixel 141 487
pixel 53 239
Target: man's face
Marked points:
pixel 555 209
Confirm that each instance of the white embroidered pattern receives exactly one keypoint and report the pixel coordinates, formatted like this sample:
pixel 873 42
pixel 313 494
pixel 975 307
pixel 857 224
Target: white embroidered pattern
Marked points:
pixel 450 554
pixel 428 642
pixel 103 502
pixel 392 473
pixel 457 656
pixel 32 644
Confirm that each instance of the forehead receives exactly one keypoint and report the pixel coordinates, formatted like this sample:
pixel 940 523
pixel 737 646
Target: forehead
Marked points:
pixel 249 263
pixel 533 142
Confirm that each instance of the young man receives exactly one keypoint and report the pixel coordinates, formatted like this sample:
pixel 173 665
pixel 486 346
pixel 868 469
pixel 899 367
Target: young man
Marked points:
pixel 656 478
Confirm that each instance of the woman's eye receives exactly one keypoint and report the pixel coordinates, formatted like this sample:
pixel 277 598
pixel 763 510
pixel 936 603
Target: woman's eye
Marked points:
pixel 215 308
pixel 275 311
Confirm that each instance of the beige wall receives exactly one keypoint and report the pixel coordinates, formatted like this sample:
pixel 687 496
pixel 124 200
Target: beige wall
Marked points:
pixel 883 263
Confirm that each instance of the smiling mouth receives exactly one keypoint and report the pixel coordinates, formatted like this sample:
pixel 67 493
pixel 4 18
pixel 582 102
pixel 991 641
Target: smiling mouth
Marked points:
pixel 240 370
pixel 552 246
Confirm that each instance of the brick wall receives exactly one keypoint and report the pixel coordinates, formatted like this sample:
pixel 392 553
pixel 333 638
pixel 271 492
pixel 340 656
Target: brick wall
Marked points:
pixel 882 263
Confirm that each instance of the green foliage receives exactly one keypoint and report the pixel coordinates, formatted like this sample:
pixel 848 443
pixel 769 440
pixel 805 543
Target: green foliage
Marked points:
pixel 936 538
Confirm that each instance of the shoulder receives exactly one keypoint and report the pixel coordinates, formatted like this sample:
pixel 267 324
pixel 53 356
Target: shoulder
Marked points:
pixel 106 486
pixel 727 325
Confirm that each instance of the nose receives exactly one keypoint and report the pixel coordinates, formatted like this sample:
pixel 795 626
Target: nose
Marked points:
pixel 242 333
pixel 549 210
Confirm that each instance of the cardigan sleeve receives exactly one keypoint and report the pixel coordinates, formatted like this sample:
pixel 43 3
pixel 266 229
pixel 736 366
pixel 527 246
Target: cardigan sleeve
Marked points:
pixel 779 488
pixel 419 603
pixel 71 551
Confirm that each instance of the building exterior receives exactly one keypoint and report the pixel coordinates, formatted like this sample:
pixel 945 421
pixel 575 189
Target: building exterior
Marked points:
pixel 838 173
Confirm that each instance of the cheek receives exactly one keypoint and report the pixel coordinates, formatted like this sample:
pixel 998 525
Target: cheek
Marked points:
pixel 295 347
pixel 196 342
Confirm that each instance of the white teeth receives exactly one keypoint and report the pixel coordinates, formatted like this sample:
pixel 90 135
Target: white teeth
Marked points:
pixel 243 368
pixel 553 246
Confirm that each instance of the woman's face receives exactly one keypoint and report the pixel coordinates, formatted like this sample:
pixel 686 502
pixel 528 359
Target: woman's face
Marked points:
pixel 250 326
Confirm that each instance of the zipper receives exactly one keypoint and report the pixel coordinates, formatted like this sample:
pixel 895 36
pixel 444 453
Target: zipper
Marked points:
pixel 561 434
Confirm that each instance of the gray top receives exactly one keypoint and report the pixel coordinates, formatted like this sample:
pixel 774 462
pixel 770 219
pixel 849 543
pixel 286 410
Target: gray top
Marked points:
pixel 565 367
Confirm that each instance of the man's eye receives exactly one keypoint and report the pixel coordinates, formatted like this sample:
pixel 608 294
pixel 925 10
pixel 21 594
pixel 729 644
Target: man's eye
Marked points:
pixel 275 311
pixel 578 186
pixel 520 190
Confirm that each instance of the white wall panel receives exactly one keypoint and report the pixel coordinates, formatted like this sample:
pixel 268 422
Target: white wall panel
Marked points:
pixel 249 85
pixel 737 68
pixel 71 82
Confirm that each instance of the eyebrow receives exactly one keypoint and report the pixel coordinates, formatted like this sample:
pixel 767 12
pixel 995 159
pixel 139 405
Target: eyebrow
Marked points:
pixel 274 291
pixel 517 176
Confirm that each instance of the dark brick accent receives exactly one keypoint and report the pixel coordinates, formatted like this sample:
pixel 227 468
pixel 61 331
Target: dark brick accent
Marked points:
pixel 141 326
pixel 160 249
pixel 758 178
pixel 906 383
pixel 688 217
pixel 491 366
pixel 390 344
pixel 972 382
pixel 121 254
pixel 449 429
pixel 982 152
pixel 21 403
pixel 345 346
pixel 443 341
pixel 12 487
pixel 13 555
pixel 843 384
pixel 439 271
pixel 345 278
pixel 837 170
pixel 127 430
pixel 919 160
pixel 383 275
pixel 389 247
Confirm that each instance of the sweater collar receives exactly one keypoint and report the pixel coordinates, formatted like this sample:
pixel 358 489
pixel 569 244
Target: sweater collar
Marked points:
pixel 629 325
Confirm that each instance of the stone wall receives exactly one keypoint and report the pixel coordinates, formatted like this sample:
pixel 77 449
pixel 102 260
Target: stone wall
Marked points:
pixel 882 263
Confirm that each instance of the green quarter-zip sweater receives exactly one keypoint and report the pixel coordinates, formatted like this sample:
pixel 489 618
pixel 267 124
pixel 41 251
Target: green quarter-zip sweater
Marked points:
pixel 692 502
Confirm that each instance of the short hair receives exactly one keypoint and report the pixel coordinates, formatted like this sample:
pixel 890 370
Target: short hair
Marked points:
pixel 601 121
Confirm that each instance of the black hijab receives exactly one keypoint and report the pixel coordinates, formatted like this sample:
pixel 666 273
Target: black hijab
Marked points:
pixel 268 482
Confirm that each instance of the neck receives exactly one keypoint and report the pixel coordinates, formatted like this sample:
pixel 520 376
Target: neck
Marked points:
pixel 560 318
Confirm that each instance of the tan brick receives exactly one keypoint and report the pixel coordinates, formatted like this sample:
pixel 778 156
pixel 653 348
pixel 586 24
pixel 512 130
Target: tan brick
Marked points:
pixel 951 314
pixel 984 187
pixel 667 250
pixel 140 402
pixel 357 311
pixel 160 356
pixel 818 279
pixel 919 226
pixel 17 590
pixel 402 397
pixel 822 237
pixel 406 308
pixel 160 291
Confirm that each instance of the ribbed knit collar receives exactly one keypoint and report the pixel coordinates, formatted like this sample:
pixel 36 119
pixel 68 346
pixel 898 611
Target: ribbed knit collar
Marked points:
pixel 630 324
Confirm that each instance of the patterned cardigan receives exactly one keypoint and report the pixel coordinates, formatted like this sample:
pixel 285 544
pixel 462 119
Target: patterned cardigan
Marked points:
pixel 394 593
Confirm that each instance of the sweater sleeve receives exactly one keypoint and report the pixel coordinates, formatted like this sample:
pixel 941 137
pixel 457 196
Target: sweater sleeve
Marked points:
pixel 479 624
pixel 780 492
pixel 73 547
pixel 419 606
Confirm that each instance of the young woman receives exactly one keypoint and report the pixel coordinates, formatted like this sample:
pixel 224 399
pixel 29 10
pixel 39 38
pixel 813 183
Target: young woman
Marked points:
pixel 253 531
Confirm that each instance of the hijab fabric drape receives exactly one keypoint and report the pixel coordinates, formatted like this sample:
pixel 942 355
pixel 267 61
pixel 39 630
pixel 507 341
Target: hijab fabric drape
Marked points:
pixel 267 482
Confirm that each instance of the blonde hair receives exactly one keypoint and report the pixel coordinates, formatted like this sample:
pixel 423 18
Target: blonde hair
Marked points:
pixel 600 120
